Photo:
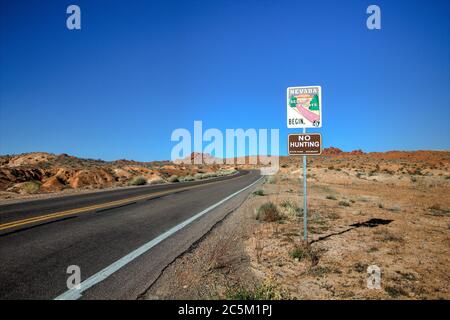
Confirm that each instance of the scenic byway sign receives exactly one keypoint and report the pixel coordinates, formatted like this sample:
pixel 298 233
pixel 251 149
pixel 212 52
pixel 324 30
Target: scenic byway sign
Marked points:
pixel 306 144
pixel 304 107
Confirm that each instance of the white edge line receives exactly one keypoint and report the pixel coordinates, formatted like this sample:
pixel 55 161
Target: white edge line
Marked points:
pixel 75 293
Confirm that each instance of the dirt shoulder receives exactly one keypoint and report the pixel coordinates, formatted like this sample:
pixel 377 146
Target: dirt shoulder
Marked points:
pixel 360 214
pixel 215 264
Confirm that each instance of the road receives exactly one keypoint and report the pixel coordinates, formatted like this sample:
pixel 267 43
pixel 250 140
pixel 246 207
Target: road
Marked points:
pixel 120 239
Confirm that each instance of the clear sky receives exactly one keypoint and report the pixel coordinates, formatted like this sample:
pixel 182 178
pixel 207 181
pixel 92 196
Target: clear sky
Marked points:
pixel 137 70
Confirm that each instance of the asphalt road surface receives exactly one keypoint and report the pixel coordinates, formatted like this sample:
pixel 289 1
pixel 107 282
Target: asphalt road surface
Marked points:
pixel 121 239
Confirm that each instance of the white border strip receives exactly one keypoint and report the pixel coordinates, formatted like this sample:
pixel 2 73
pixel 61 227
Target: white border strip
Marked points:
pixel 75 293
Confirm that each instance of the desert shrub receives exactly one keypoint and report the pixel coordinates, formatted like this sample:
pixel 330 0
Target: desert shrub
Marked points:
pixel 268 212
pixel 225 172
pixel 306 252
pixel 187 178
pixel 437 210
pixel 271 179
pixel 407 275
pixel 344 203
pixel 333 215
pixel 198 176
pixel 395 209
pixel 31 186
pixel 291 207
pixel 137 181
pixel 319 271
pixel 265 291
pixel 209 175
pixel 258 192
pixel 173 178
pixel 157 181
pixel 331 197
pixel 360 267
pixel 395 292
pixel 219 257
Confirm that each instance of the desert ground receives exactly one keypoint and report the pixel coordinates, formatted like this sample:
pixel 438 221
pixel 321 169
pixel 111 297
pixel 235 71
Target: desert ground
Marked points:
pixel 389 209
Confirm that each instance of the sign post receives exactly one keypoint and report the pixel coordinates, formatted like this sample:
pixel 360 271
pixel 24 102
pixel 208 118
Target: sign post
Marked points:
pixel 305 201
pixel 304 110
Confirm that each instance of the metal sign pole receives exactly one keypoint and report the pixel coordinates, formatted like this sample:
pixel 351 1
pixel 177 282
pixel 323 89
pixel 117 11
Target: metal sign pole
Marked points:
pixel 305 206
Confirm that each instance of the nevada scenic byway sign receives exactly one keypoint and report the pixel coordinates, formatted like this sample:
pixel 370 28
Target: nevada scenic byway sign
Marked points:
pixel 304 107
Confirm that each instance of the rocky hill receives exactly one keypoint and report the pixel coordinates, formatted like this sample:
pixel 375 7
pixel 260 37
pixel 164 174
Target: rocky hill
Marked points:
pixel 41 172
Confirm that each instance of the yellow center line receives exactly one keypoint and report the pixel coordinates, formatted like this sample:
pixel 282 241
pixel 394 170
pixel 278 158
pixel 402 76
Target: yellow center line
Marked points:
pixel 22 222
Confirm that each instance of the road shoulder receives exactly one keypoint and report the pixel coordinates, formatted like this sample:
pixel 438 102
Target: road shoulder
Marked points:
pixel 215 264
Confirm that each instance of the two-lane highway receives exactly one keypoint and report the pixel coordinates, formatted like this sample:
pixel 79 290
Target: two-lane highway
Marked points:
pixel 120 239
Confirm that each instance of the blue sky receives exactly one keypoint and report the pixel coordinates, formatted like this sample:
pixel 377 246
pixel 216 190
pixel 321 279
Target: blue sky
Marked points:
pixel 137 70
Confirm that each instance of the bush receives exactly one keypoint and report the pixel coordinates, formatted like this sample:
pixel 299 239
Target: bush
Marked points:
pixel 319 271
pixel 173 178
pixel 291 207
pixel 186 178
pixel 360 267
pixel 305 252
pixel 344 203
pixel 31 186
pixel 258 193
pixel 198 176
pixel 268 212
pixel 395 292
pixel 209 175
pixel 138 181
pixel 331 198
pixel 265 291
pixel 225 172
pixel 157 181
pixel 271 179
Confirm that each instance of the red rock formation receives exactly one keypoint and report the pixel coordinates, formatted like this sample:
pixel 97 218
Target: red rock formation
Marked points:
pixel 332 151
